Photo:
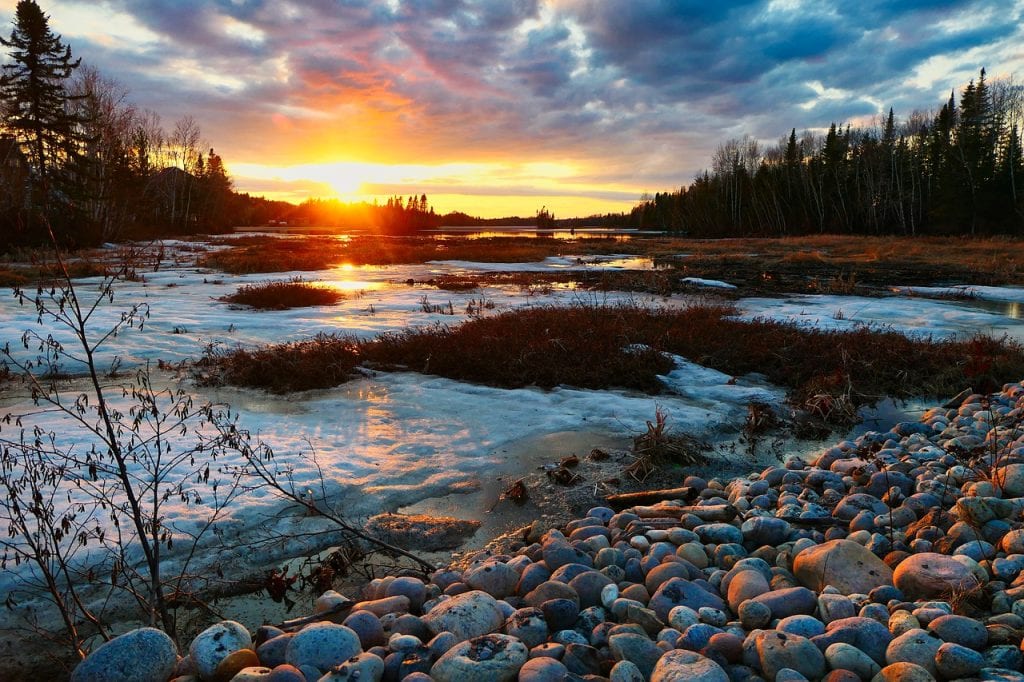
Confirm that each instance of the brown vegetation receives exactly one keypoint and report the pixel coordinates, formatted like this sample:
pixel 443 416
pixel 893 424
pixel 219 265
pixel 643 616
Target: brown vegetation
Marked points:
pixel 292 293
pixel 828 373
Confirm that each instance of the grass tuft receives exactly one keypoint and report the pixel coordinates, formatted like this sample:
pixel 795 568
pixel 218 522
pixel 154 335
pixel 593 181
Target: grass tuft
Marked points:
pixel 292 293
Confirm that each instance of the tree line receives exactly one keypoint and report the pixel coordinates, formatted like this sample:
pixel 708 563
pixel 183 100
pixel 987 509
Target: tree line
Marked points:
pixel 77 157
pixel 958 170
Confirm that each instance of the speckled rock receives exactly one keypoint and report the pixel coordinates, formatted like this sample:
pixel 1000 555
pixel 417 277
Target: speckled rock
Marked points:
pixel 466 615
pixel 495 658
pixel 777 650
pixel 143 655
pixel 322 645
pixel 687 666
pixel 215 643
pixel 915 646
pixel 903 672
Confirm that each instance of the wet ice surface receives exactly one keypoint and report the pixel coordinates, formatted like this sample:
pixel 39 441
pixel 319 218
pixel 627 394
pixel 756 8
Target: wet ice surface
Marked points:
pixel 389 440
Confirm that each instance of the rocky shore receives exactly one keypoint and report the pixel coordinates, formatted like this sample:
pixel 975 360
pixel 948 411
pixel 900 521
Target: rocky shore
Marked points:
pixel 897 556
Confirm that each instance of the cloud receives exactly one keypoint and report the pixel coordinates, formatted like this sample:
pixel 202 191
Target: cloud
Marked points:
pixel 633 93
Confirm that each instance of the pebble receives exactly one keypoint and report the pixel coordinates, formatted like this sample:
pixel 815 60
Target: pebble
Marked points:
pixel 746 588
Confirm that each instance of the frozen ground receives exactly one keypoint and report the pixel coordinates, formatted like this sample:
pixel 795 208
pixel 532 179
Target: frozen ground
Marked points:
pixel 389 440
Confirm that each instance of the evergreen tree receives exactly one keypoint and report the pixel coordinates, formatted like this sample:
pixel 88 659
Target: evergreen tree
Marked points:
pixel 35 99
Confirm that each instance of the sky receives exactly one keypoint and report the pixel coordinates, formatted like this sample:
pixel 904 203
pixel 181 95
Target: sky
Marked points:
pixel 500 107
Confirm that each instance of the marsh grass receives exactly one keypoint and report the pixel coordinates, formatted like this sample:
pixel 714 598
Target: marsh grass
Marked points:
pixel 829 373
pixel 281 295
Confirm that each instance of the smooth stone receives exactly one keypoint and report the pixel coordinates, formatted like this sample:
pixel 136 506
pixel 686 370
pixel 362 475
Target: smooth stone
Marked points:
pixel 638 649
pixel 843 656
pixel 322 645
pixel 915 646
pixel 286 673
pixel 746 585
pixel 849 567
pixel 495 658
pixel 960 630
pixel 367 627
pixel 550 589
pixel 687 666
pixel 272 652
pixel 543 670
pixel 143 655
pixel 778 650
pixel 922 576
pixel 789 601
pixel 626 671
pixel 866 634
pixel 679 592
pixel 235 662
pixel 412 589
pixel 589 587
pixel 495 578
pixel 467 615
pixel 215 643
pixel 903 672
pixel 581 659
pixel 805 626
pixel 360 668
pixel 954 661
pixel 753 615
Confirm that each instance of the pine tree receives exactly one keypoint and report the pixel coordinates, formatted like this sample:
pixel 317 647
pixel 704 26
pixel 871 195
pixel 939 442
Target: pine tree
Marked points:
pixel 34 98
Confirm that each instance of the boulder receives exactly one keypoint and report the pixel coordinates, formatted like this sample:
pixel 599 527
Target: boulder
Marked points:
pixel 845 565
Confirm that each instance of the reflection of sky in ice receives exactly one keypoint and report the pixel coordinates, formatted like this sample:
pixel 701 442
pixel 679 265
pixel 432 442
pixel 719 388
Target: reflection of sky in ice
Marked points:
pixel 388 440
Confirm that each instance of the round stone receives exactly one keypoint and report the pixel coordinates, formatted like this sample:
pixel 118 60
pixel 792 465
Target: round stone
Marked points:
pixel 322 645
pixel 467 615
pixel 903 672
pixel 843 656
pixel 215 643
pixel 954 661
pixel 494 658
pixel 849 567
pixel 680 665
pixel 915 646
pixel 146 655
pixel 927 575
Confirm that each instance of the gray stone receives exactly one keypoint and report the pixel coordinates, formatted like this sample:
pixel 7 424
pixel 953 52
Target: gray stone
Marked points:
pixel 679 592
pixel 843 656
pixel 777 650
pixel 543 670
pixel 322 645
pixel 495 658
pixel 216 643
pixel 626 671
pixel 687 666
pixel 954 661
pixel 637 649
pixel 926 575
pixel 903 672
pixel 467 615
pixel 359 668
pixel 914 646
pixel 495 578
pixel 789 602
pixel 960 630
pixel 527 625
pixel 143 655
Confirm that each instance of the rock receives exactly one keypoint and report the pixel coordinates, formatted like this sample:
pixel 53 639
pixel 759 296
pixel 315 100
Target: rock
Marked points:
pixel 927 575
pixel 687 666
pixel 777 650
pixel 789 602
pixel 271 652
pixel 495 578
pixel 866 634
pixel 543 670
pixel 143 655
pixel 494 658
pixel 528 625
pixel 581 659
pixel 360 668
pixel 954 661
pixel 903 672
pixel 626 671
pixel 637 649
pixel 753 615
pixel 960 630
pixel 286 673
pixel 1010 479
pixel 849 567
pixel 412 589
pixel 679 592
pixel 367 627
pixel 843 656
pixel 322 645
pixel 235 662
pixel 215 643
pixel 746 585
pixel 467 615
pixel 915 646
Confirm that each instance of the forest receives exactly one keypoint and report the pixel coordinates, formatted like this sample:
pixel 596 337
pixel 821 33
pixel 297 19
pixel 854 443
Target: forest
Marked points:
pixel 955 171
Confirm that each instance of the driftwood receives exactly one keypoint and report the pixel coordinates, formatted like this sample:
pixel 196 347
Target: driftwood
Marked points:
pixel 711 512
pixel 337 609
pixel 623 500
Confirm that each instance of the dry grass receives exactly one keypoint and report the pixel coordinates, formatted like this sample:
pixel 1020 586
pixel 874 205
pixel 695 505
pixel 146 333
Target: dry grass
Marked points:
pixel 292 293
pixel 829 373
